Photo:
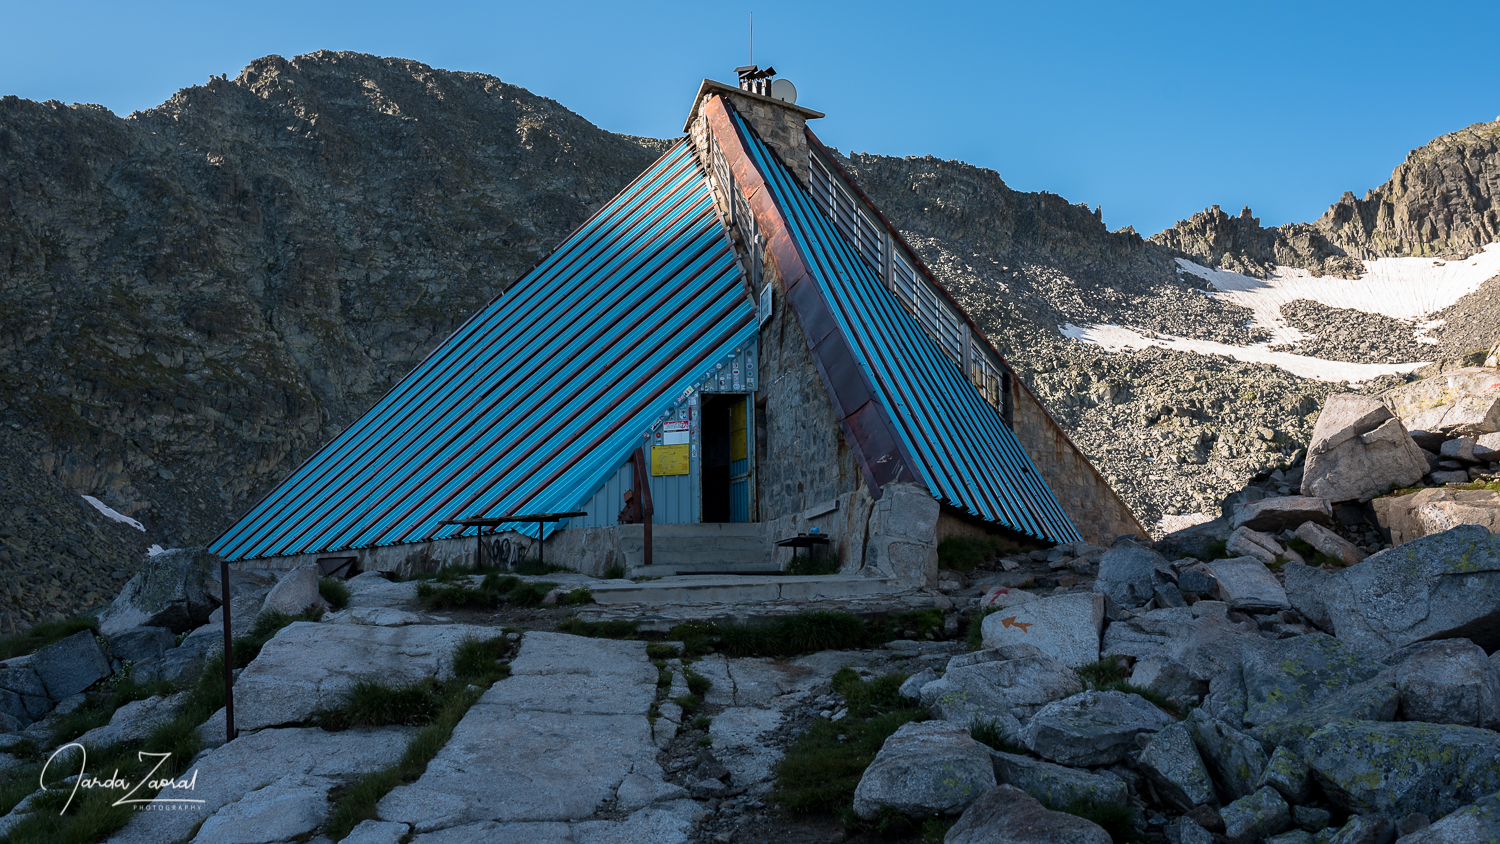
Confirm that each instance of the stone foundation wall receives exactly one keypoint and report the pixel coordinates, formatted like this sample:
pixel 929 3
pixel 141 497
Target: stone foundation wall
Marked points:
pixel 1096 510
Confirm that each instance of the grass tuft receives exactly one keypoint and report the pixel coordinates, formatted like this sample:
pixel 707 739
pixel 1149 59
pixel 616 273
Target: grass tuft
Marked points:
pixel 615 572
pixel 334 591
pixel 966 553
pixel 1119 821
pixel 43 634
pixel 374 703
pixel 974 634
pixel 696 683
pixel 1101 674
pixel 575 597
pixel 819 772
pixel 531 567
pixel 987 731
pixel 357 803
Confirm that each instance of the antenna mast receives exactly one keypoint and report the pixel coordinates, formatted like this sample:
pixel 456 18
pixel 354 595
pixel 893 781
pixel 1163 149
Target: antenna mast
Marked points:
pixel 752 38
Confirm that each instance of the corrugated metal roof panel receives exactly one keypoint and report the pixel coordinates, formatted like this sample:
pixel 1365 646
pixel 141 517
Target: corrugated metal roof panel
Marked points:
pixel 541 395
pixel 964 451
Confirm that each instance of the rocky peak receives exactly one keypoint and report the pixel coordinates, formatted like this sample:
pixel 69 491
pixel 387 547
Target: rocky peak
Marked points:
pixel 1441 201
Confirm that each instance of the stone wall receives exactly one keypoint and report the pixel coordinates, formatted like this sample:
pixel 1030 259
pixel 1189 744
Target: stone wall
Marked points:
pixel 780 125
pixel 952 522
pixel 803 458
pixel 1096 510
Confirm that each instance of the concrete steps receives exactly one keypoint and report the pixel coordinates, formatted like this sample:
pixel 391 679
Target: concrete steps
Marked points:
pixel 697 549
pixel 733 589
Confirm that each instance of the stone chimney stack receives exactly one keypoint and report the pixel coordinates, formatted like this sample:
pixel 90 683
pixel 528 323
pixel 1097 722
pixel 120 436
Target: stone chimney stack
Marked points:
pixel 768 105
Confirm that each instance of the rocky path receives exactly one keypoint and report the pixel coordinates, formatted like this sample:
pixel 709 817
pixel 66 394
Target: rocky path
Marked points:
pixel 544 751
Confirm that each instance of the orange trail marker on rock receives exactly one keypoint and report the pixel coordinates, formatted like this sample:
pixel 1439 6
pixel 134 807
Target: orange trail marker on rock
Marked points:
pixel 1011 622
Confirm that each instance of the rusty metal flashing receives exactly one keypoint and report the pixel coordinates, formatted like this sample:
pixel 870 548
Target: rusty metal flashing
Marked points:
pixel 866 426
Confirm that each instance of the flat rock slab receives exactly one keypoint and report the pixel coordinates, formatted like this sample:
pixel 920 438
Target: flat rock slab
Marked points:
pixel 1273 515
pixel 549 743
pixel 230 773
pixel 309 666
pixel 1065 627
pixel 373 616
pixel 1277 679
pixel 670 822
pixel 292 806
pixel 737 744
pixel 1244 583
pixel 372 589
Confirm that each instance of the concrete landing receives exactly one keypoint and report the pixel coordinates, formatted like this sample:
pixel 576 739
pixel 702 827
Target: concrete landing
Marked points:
pixel 730 589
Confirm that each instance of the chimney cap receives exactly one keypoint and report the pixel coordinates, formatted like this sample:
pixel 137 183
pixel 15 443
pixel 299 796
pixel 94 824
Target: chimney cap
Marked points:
pixel 751 71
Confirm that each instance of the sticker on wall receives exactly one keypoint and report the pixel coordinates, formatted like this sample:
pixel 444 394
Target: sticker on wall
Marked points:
pixel 675 433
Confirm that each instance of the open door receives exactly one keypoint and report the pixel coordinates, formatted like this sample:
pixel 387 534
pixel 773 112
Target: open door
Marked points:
pixel 725 475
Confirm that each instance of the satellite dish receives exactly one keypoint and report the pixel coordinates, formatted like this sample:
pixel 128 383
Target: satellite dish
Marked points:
pixel 783 89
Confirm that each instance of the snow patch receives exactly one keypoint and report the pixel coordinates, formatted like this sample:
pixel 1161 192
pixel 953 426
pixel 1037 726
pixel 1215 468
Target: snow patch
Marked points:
pixel 157 549
pixel 1401 288
pixel 111 513
pixel 1115 338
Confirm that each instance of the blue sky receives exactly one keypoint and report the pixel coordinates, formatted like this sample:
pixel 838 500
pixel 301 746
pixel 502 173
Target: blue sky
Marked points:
pixel 1153 111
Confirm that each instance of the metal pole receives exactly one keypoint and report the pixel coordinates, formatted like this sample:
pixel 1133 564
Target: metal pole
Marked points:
pixel 228 654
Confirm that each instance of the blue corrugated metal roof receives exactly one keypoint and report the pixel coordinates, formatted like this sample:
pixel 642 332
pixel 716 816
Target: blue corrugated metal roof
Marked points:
pixel 539 396
pixel 964 451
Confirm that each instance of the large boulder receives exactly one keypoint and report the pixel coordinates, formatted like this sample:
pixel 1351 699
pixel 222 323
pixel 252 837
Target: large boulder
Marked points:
pixel 1450 681
pixel 295 592
pixel 1127 574
pixel 1408 400
pixel 141 644
pixel 1358 451
pixel 170 590
pixel 1057 785
pixel 70 665
pixel 1008 815
pixel 22 695
pixel 1092 728
pixel 1468 416
pixel 1479 821
pixel 1178 650
pixel 1443 586
pixel 1431 511
pixel 1274 515
pixel 1065 627
pixel 1244 583
pixel 1274 679
pixel 926 768
pixel 988 685
pixel 1401 767
pixel 1171 760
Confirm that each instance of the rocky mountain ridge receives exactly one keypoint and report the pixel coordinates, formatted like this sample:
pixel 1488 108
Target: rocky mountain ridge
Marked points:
pixel 1442 201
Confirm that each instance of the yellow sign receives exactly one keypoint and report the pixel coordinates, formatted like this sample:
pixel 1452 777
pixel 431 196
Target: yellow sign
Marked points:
pixel 669 460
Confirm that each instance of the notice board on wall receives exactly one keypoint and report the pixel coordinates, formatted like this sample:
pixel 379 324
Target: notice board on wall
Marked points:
pixel 669 460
